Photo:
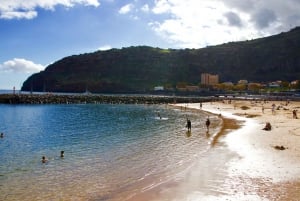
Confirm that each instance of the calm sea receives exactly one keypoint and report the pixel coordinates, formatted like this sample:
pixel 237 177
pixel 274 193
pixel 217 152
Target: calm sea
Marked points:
pixel 110 150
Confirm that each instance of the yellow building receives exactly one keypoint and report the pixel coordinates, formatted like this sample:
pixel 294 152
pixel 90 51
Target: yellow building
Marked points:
pixel 209 79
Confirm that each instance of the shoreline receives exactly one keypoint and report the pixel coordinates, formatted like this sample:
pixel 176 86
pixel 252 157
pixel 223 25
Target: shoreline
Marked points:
pixel 245 163
pixel 188 182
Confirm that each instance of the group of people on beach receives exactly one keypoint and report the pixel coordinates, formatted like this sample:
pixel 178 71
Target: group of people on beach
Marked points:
pixel 189 124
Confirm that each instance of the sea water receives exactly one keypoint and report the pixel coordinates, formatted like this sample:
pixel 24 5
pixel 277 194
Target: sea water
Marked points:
pixel 110 150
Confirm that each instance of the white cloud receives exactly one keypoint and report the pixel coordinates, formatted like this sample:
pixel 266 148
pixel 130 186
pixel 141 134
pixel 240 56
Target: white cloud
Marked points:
pixel 161 6
pixel 18 65
pixel 145 8
pixel 19 15
pixel 27 9
pixel 126 9
pixel 194 23
pixel 105 47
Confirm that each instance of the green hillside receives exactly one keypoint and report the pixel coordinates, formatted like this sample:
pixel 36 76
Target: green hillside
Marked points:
pixel 139 69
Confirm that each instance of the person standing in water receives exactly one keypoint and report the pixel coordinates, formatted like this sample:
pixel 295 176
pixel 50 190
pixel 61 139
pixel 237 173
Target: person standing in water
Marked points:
pixel 207 123
pixel 62 154
pixel 189 124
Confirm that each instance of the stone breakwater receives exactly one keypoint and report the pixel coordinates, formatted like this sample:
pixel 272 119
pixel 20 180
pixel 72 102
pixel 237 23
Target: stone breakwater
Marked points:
pixel 96 99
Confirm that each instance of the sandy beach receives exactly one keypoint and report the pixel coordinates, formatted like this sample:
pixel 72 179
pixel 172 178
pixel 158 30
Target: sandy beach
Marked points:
pixel 248 163
pixel 268 166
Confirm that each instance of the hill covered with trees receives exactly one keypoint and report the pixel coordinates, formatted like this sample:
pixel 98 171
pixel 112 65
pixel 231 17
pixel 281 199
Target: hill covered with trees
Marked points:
pixel 139 69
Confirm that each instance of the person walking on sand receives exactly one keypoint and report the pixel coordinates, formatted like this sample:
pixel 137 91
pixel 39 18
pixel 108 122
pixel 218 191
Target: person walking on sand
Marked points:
pixel 207 123
pixel 273 108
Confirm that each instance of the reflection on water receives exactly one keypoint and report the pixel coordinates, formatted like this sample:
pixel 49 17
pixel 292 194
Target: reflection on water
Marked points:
pixel 108 149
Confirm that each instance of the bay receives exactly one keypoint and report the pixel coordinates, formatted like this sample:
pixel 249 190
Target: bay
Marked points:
pixel 109 149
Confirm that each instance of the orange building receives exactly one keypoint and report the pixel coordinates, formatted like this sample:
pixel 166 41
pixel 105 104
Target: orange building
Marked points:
pixel 209 79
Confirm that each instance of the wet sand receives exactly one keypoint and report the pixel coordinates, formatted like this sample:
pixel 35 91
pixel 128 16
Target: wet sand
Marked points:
pixel 244 161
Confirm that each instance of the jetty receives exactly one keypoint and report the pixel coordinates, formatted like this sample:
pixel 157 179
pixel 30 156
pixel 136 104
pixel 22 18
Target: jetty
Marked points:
pixel 96 99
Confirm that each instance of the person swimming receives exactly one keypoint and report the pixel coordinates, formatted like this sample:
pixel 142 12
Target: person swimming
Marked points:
pixel 44 159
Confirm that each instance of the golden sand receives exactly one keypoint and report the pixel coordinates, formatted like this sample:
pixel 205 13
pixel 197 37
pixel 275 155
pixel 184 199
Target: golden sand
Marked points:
pixel 268 165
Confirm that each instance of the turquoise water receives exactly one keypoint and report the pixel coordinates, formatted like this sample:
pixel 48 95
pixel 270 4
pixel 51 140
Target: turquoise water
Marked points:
pixel 110 150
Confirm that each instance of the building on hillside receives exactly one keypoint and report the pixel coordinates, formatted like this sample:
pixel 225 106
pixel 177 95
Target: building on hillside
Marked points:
pixel 209 79
pixel 158 88
pixel 274 84
pixel 243 82
pixel 228 84
pixel 295 82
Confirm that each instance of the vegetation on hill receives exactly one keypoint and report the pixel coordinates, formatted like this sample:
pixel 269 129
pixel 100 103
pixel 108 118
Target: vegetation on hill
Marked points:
pixel 139 69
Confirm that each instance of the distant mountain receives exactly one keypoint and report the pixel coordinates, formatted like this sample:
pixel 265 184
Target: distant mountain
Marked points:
pixel 139 69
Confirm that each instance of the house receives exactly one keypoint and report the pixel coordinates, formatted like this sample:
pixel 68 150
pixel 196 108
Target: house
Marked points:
pixel 274 84
pixel 243 82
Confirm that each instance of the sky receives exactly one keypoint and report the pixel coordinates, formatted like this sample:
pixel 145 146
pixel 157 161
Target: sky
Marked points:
pixel 36 33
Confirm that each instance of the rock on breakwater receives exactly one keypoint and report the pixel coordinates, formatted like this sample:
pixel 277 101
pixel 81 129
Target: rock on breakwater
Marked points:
pixel 92 99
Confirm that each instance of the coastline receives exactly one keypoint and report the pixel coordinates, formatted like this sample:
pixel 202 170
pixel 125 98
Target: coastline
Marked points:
pixel 261 171
pixel 242 162
pixel 245 163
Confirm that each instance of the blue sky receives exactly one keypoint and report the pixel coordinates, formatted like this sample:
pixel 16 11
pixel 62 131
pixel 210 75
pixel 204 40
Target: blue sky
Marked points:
pixel 36 33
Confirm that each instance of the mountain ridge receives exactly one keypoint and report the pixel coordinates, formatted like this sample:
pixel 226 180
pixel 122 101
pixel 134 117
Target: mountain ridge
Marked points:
pixel 140 68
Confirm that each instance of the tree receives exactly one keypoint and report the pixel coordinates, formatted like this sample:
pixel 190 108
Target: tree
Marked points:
pixel 181 85
pixel 298 84
pixel 254 87
pixel 285 84
pixel 240 87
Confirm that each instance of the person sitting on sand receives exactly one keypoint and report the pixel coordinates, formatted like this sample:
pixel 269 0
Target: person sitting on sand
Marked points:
pixel 267 127
pixel 295 114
